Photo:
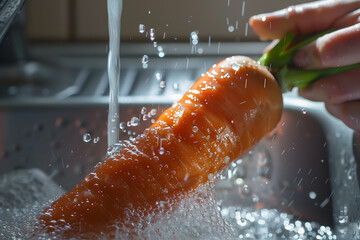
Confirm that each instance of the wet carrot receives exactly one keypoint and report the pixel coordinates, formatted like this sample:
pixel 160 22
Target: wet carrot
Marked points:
pixel 226 112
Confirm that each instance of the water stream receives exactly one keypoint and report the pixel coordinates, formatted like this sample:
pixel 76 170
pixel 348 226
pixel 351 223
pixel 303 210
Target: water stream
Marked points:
pixel 114 18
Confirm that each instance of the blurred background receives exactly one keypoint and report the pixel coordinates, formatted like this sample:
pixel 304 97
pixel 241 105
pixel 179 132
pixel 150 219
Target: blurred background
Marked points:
pixel 86 20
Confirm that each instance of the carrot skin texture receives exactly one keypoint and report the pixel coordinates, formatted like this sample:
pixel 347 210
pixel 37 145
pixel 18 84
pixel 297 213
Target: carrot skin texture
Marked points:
pixel 226 112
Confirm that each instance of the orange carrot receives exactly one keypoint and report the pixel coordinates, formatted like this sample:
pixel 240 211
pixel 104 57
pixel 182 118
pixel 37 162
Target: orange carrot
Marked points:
pixel 227 111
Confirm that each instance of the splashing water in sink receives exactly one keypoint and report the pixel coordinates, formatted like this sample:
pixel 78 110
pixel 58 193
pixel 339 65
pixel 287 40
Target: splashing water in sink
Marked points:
pixel 199 215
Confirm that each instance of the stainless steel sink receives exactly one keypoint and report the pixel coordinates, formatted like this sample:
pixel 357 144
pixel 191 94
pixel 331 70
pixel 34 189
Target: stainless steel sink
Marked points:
pixel 306 167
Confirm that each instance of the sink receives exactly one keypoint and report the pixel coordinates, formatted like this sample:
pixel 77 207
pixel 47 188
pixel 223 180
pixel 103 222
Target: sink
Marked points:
pixel 305 167
pixel 288 170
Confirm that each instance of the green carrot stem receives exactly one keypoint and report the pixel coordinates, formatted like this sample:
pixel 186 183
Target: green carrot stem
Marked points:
pixel 285 57
pixel 279 62
pixel 289 77
pixel 268 58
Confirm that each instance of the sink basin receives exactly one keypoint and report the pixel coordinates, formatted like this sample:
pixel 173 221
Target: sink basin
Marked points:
pixel 288 170
pixel 305 167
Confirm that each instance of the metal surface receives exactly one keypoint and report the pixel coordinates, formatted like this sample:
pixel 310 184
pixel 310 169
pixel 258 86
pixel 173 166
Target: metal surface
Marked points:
pixel 8 11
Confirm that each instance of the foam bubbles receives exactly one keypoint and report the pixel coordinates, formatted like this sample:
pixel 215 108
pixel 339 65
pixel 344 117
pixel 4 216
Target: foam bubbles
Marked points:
pixel 23 195
pixel 195 217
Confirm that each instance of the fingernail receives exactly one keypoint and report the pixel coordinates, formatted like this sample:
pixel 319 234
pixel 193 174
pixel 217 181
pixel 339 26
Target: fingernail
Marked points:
pixel 261 17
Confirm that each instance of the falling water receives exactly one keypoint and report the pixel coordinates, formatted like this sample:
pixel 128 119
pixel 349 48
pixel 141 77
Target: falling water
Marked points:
pixel 114 16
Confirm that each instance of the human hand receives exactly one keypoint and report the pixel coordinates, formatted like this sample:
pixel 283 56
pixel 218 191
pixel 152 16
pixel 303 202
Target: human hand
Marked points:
pixel 341 93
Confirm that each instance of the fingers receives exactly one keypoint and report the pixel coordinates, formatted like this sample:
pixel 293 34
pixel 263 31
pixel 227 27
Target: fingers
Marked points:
pixel 337 89
pixel 339 48
pixel 348 20
pixel 302 19
pixel 348 112
pixel 341 94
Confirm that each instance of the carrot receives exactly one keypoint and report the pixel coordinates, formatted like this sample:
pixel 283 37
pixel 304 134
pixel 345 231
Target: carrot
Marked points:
pixel 226 112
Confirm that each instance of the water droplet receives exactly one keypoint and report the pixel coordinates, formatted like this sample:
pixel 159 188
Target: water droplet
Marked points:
pixel 194 38
pixel 134 121
pixel 304 111
pixel 158 76
pixel 246 189
pixel 231 28
pixel 152 120
pixel 161 150
pixel 243 8
pixel 195 129
pixel 176 86
pixel 152 34
pixel 141 28
pixel 255 198
pixel 143 110
pixel 161 54
pixel 246 29
pixel 349 174
pixel 242 222
pixel 162 84
pixel 122 125
pixel 96 140
pixel 87 137
pixel 153 112
pixel 236 66
pixel 312 195
pixel 145 59
pixel 155 44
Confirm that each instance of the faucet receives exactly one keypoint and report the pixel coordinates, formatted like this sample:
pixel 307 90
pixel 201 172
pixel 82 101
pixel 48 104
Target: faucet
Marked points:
pixel 13 44
pixel 8 11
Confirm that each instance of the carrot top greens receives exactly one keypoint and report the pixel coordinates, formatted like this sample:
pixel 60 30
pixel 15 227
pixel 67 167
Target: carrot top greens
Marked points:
pixel 279 62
